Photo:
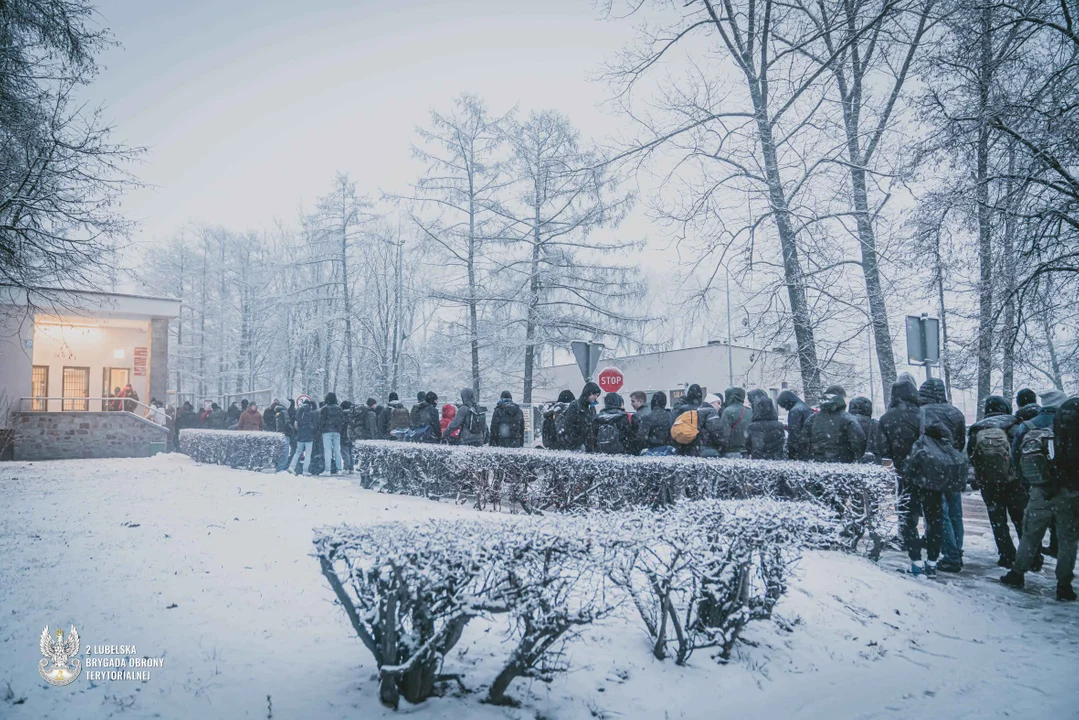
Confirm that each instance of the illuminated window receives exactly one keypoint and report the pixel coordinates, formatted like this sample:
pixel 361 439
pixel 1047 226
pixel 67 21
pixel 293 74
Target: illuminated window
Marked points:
pixel 76 385
pixel 39 387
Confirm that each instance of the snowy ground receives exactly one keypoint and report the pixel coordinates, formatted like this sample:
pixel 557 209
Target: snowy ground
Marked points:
pixel 211 569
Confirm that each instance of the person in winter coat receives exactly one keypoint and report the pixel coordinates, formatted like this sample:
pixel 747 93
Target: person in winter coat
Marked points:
pixel 989 443
pixel 765 436
pixel 131 398
pixel 899 427
pixel 394 417
pixel 185 419
pixel 470 420
pixel 251 418
pixel 654 429
pixel 269 416
pixel 735 419
pixel 613 434
pixel 346 434
pixel 507 423
pixel 833 434
pixel 332 424
pixel 449 411
pixel 306 427
pixel 862 410
pixel 710 428
pixel 218 419
pixel 1054 498
pixel 638 402
pixel 234 413
pixel 551 417
pixel 797 414
pixel 1026 403
pixel 935 408
pixel 284 426
pixel 420 407
pixel 580 419
pixel 690 401
pixel 374 419
pixel 925 502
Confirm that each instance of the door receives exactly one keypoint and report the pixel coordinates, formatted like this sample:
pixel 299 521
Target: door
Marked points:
pixel 76 385
pixel 112 381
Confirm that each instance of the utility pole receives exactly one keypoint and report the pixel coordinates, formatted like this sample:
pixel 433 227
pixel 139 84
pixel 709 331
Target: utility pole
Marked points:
pixel 872 384
pixel 730 338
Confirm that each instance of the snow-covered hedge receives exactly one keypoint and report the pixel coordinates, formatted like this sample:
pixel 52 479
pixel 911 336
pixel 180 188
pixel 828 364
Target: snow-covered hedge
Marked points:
pixel 861 496
pixel 697 573
pixel 235 448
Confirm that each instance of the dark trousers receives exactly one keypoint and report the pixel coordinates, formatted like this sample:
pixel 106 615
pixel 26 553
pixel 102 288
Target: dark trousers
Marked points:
pixel 919 502
pixel 1003 501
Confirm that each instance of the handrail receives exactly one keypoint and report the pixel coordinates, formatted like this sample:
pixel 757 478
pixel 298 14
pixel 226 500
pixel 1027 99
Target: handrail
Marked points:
pixel 26 404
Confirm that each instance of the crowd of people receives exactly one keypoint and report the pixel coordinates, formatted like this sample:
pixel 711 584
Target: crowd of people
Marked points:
pixel 1026 464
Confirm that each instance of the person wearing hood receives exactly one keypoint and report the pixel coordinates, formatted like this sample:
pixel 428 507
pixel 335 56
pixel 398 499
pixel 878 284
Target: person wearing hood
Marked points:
pixel 710 431
pixel 580 420
pixel 733 422
pixel 394 417
pixel 833 435
pixel 251 418
pixel 862 410
pixel 470 419
pixel 1026 403
pixel 765 436
pixel 306 427
pixel 933 397
pixel 552 415
pixel 431 419
pixel 989 444
pixel 690 401
pixel 347 409
pixel 899 427
pixel 933 467
pixel 654 429
pixel 269 415
pixel 414 415
pixel 218 419
pixel 507 423
pixel 234 413
pixel 613 433
pixel 797 414
pixel 449 411
pixel 374 419
pixel 1054 494
pixel 331 423
pixel 283 425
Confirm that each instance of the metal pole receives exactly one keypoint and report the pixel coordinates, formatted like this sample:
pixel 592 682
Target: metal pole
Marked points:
pixel 872 388
pixel 730 351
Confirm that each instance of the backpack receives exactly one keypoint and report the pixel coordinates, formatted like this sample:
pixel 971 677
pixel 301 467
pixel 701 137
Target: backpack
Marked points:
pixel 992 455
pixel 609 437
pixel 475 422
pixel 936 465
pixel 1036 451
pixel 684 430
pixel 399 419
pixel 561 428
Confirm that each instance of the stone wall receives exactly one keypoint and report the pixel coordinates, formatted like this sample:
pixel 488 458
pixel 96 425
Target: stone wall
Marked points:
pixel 69 435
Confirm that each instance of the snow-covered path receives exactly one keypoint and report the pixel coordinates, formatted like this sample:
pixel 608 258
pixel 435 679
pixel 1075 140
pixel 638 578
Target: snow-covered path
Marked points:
pixel 211 568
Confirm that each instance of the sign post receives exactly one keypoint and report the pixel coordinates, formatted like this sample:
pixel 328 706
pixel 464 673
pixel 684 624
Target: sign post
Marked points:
pixel 587 355
pixel 923 342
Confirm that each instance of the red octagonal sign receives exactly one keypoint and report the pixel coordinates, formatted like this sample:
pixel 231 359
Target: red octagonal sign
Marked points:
pixel 610 379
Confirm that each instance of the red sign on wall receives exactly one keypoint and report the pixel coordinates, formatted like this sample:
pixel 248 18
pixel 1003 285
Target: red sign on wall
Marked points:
pixel 610 379
pixel 141 355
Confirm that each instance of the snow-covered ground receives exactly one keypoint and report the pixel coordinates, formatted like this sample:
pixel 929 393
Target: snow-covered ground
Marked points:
pixel 211 568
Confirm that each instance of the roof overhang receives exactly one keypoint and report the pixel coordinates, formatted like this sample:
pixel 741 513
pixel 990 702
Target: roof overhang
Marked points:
pixel 87 304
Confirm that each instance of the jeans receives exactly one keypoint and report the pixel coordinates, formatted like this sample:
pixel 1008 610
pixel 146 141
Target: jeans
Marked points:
pixel 927 503
pixel 1004 500
pixel 285 456
pixel 331 441
pixel 952 541
pixel 1064 506
pixel 305 449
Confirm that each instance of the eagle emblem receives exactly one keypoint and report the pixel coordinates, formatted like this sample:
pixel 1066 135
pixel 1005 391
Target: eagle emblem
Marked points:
pixel 59 666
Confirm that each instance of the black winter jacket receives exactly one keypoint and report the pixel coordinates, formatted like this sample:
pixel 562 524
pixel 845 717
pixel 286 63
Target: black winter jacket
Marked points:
pixel 935 405
pixel 766 436
pixel 507 425
pixel 833 434
pixel 797 414
pixel 1066 440
pixel 579 423
pixel 654 429
pixel 306 424
pixel 616 419
pixel 900 427
pixel 331 419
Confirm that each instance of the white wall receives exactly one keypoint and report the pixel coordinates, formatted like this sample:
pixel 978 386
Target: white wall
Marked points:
pixel 78 346
pixel 15 359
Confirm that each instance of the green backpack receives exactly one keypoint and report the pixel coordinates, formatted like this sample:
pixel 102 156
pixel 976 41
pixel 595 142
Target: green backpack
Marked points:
pixel 1036 453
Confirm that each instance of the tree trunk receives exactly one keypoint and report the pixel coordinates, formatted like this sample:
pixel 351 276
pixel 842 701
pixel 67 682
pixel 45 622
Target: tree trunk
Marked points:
pixel 473 311
pixel 346 292
pixel 1010 330
pixel 985 239
pixel 1054 360
pixel 533 302
pixel 938 271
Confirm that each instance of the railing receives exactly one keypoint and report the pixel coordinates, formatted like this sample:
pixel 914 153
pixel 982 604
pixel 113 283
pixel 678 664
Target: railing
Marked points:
pixel 84 404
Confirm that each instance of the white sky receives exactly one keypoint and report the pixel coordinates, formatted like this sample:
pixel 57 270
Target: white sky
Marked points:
pixel 249 107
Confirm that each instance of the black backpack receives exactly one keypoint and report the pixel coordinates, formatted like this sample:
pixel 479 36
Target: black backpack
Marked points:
pixel 609 435
pixel 936 464
pixel 475 422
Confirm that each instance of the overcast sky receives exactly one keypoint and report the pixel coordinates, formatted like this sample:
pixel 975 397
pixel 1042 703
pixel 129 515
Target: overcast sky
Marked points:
pixel 249 107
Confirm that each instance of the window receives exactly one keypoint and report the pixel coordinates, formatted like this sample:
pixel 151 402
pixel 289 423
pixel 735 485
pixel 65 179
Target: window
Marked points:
pixel 76 385
pixel 39 387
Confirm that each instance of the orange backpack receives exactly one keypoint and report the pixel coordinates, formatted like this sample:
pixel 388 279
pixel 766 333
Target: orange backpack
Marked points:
pixel 684 430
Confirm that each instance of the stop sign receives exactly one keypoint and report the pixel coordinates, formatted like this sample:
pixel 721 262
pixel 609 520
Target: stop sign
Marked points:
pixel 610 379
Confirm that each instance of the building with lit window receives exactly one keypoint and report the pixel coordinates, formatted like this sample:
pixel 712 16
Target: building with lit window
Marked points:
pixel 64 360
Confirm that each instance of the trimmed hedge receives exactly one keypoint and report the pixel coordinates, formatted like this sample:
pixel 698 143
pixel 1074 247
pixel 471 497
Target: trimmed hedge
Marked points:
pixel 861 496
pixel 235 448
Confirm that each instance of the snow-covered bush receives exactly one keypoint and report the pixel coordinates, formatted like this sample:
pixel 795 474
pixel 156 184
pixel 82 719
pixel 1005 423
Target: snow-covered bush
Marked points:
pixel 861 496
pixel 413 591
pixel 235 448
pixel 700 572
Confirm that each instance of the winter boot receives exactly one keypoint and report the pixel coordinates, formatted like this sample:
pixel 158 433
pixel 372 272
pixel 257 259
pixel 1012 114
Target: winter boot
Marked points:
pixel 1065 592
pixel 1004 562
pixel 1037 562
pixel 949 567
pixel 1013 579
pixel 930 568
pixel 916 568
